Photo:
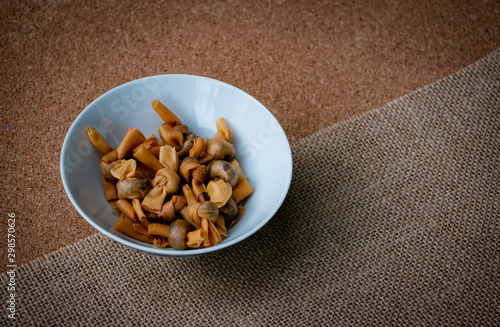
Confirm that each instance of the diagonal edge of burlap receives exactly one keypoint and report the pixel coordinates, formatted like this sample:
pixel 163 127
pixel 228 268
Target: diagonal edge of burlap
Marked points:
pixel 392 218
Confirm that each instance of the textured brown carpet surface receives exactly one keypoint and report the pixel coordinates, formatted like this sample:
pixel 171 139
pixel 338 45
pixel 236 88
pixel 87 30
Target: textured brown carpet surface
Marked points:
pixel 311 63
pixel 392 219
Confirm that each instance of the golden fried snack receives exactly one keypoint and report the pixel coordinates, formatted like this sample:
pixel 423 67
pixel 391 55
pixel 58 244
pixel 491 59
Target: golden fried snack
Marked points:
pixel 172 206
pixel 181 128
pixel 241 191
pixel 219 148
pixel 124 169
pixel 166 181
pixel 198 147
pixel 180 190
pixel 155 150
pixel 171 136
pixel 125 226
pixel 195 238
pixel 98 141
pixel 108 161
pixel 126 208
pixel 219 192
pixel 165 114
pixel 195 173
pixel 144 171
pixel 241 174
pixel 169 157
pixel 140 228
pixel 150 142
pixel 220 224
pixel 222 129
pixel 109 189
pixel 159 230
pixel 213 235
pixel 132 139
pixel 136 204
pixel 142 154
pixel 161 242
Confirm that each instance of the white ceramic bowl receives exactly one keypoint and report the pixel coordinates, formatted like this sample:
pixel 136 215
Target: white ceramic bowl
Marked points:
pixel 262 148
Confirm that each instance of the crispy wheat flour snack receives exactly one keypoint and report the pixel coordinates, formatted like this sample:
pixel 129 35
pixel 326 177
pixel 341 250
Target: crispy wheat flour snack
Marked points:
pixel 180 190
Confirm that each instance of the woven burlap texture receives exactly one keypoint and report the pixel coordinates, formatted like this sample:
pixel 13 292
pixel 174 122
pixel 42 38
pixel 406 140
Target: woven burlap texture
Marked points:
pixel 392 218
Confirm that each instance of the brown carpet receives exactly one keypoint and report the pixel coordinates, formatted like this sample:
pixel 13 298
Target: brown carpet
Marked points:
pixel 392 219
pixel 311 63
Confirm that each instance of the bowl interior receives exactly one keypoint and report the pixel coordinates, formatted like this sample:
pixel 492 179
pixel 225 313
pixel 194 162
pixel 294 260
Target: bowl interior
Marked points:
pixel 262 148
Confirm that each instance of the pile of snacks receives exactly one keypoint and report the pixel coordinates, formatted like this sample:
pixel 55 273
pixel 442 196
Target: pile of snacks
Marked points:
pixel 181 191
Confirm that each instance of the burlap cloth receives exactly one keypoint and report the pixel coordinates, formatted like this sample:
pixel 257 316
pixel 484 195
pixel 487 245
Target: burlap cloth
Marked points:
pixel 392 218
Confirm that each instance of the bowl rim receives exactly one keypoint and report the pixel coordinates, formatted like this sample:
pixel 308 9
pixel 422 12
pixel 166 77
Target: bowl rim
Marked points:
pixel 172 252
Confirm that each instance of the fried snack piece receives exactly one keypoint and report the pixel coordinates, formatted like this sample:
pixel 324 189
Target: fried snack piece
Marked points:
pixel 219 148
pixel 219 192
pixel 109 189
pixel 169 157
pixel 159 230
pixel 198 147
pixel 165 114
pixel 171 136
pixel 172 206
pixel 124 169
pixel 195 173
pixel 222 128
pixel 125 226
pixel 132 139
pixel 145 156
pixel 195 238
pixel 166 181
pixel 242 191
pixel 98 141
